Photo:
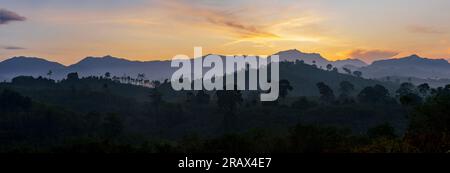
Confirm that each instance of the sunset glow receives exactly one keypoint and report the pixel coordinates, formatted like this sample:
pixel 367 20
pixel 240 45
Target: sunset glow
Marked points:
pixel 67 31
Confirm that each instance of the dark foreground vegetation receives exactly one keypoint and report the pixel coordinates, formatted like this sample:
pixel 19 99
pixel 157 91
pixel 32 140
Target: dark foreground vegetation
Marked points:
pixel 101 115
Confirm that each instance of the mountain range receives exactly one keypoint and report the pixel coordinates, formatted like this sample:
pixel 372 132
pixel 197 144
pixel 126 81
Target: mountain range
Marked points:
pixel 411 66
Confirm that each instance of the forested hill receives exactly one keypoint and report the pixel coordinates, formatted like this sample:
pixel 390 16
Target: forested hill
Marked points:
pixel 304 77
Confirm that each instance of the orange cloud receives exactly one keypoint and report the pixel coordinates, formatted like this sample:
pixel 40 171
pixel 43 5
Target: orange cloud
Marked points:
pixel 244 24
pixel 216 19
pixel 369 55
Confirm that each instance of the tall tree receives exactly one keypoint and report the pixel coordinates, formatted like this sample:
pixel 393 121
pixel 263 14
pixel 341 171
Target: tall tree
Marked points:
pixel 348 71
pixel 405 89
pixel 49 74
pixel 326 93
pixel 285 87
pixel 375 94
pixel 329 67
pixel 424 89
pixel 346 89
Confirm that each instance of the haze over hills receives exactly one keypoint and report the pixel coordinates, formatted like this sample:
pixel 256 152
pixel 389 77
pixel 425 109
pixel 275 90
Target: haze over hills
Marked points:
pixel 30 66
pixel 303 77
pixel 154 70
pixel 411 66
pixel 315 58
pixel 98 66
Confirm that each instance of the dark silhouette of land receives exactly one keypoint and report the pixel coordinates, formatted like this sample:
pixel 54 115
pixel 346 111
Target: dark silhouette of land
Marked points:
pixel 319 111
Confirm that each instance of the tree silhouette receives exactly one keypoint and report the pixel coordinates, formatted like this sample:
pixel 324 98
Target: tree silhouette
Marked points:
pixel 156 83
pixel 72 76
pixel 405 89
pixel 140 78
pixel 348 71
pixel 346 89
pixel 107 75
pixel 329 67
pixel 326 93
pixel 357 73
pixel 49 74
pixel 376 94
pixel 430 122
pixel 335 69
pixel 285 87
pixel 314 64
pixel 410 99
pixel 424 89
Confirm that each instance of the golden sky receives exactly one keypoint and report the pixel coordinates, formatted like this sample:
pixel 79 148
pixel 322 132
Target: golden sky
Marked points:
pixel 67 31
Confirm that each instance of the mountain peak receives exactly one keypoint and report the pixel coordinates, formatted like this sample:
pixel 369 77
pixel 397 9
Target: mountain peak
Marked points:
pixel 292 51
pixel 109 57
pixel 350 61
pixel 414 56
pixel 295 52
pixel 103 58
pixel 27 66
pixel 26 59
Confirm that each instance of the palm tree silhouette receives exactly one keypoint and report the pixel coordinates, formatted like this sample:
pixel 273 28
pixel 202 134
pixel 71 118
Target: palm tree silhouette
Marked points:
pixel 49 74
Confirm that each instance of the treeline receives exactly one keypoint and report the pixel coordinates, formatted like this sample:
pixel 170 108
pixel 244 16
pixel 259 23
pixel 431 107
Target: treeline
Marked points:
pixel 99 115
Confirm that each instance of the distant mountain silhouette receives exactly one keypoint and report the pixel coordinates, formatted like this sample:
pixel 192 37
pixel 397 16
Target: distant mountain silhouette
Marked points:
pixel 309 58
pixel 411 66
pixel 317 59
pixel 27 66
pixel 350 62
pixel 303 77
pixel 98 66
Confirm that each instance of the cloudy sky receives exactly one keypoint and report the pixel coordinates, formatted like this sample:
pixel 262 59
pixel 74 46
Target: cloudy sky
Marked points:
pixel 69 30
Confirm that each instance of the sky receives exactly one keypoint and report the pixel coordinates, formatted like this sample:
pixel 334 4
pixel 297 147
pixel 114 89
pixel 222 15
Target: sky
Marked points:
pixel 66 31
